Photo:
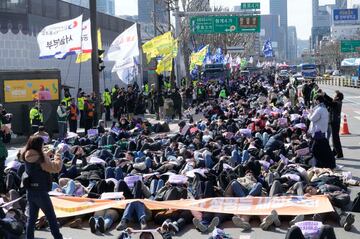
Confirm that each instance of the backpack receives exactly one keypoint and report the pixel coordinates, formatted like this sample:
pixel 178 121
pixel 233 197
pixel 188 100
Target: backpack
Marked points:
pixel 356 204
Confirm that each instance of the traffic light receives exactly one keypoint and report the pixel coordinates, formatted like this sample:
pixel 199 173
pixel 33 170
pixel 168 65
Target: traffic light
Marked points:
pixel 101 67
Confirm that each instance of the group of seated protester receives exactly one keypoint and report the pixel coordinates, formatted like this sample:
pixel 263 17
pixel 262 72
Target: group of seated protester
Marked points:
pixel 254 143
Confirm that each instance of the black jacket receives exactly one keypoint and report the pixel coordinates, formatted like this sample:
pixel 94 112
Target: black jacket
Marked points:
pixel 334 107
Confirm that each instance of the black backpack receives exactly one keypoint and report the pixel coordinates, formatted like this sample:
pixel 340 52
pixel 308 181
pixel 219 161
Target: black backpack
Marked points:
pixel 356 204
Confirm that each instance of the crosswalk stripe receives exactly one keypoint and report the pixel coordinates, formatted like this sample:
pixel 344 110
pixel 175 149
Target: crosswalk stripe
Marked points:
pixel 357 112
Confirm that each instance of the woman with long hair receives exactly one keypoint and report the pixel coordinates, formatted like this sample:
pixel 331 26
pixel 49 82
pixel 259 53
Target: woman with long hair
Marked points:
pixel 39 167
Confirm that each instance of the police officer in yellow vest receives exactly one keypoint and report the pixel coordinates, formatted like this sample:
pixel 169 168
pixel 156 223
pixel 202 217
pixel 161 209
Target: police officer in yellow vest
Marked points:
pixel 167 85
pixel 67 98
pixel 107 104
pixel 80 105
pixel 222 94
pixel 36 118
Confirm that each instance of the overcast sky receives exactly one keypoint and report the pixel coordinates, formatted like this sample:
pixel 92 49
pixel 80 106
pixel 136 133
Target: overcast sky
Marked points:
pixel 299 11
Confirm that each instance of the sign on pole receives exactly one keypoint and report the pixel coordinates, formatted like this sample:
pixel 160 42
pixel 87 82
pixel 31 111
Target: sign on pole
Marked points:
pixel 250 5
pixel 346 15
pixel 225 24
pixel 350 45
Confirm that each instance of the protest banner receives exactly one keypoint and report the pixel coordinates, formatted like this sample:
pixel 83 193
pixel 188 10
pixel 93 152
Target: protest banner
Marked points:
pixel 284 205
pixel 60 39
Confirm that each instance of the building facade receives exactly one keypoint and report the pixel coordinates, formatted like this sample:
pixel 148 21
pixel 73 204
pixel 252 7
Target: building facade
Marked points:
pixel 21 22
pixel 323 20
pixel 279 7
pixel 292 41
pixel 147 16
pixel 270 30
pixel 104 6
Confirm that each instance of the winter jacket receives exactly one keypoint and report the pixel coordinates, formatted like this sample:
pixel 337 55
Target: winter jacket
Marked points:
pixel 40 173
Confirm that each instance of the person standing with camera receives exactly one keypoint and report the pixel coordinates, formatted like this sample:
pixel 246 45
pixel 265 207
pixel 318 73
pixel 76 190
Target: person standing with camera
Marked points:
pixel 37 181
pixel 5 137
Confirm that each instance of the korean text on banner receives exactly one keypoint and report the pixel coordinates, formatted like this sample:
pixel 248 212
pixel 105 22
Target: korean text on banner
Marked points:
pixel 60 39
pixel 31 90
pixel 160 45
pixel 124 48
pixel 284 205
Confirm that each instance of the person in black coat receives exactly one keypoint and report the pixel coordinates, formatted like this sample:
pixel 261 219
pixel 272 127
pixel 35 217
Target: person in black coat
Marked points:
pixel 334 106
pixel 306 91
pixel 176 97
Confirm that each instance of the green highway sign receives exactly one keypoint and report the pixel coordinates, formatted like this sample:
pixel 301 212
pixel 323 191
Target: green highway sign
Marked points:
pixel 250 5
pixel 350 45
pixel 225 24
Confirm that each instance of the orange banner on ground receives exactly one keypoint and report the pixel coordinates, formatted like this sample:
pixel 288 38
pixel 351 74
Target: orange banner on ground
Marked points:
pixel 285 205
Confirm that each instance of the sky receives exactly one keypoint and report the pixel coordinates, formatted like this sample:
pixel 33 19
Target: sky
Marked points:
pixel 299 11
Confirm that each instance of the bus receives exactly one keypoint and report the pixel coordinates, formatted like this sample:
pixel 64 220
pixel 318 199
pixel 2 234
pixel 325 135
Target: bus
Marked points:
pixel 214 72
pixel 293 69
pixel 308 71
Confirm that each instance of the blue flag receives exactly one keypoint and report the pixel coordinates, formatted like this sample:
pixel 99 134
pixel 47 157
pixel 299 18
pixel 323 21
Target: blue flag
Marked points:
pixel 267 49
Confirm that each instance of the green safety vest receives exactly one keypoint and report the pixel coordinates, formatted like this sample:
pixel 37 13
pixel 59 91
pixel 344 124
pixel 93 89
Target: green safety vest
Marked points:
pixel 195 83
pixel 146 88
pixel 167 85
pixel 107 99
pixel 81 103
pixel 222 94
pixel 35 115
pixel 67 101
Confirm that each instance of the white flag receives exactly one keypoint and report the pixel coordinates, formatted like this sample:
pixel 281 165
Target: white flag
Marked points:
pixel 86 46
pixel 127 75
pixel 126 63
pixel 60 38
pixel 124 48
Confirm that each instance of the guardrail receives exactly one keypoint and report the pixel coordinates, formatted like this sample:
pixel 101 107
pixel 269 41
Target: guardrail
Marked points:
pixel 344 81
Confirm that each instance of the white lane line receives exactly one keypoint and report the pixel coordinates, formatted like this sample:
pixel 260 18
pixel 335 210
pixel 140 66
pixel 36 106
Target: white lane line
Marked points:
pixel 351 101
pixel 352 97
pixel 357 112
pixel 357 117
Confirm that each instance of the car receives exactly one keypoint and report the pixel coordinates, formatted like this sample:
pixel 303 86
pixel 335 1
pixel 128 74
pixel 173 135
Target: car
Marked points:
pixel 284 73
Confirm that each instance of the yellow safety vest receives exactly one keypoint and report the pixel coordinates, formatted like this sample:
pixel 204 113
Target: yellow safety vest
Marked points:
pixel 81 103
pixel 35 115
pixel 67 101
pixel 106 99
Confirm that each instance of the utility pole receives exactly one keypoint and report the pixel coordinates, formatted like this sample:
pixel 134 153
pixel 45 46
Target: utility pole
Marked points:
pixel 154 16
pixel 177 35
pixel 95 55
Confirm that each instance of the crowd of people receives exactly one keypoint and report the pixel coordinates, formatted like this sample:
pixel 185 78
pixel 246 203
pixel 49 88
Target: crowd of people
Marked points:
pixel 255 138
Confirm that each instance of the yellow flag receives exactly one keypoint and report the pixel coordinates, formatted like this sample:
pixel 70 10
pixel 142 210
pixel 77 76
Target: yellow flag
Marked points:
pixel 84 57
pixel 165 65
pixel 197 58
pixel 160 45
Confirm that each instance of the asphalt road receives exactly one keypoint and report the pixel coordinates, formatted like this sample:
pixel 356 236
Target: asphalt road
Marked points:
pixel 351 147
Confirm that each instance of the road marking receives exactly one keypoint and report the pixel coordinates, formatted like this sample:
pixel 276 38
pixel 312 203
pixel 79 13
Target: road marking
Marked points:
pixel 357 117
pixel 357 112
pixel 351 101
pixel 352 97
